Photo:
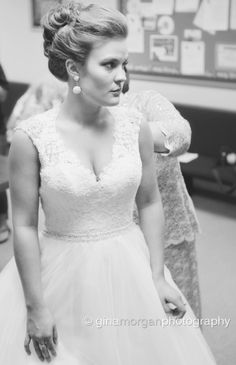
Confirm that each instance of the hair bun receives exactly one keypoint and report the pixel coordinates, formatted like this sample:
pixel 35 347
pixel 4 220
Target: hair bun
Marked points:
pixel 56 19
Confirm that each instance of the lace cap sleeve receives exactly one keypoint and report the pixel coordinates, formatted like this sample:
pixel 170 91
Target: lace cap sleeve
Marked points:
pixel 32 127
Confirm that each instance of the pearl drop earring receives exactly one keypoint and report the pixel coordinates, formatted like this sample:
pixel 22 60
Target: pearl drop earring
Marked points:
pixel 76 89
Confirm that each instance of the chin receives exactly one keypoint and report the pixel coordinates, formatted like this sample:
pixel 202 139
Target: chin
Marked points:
pixel 109 101
pixel 113 101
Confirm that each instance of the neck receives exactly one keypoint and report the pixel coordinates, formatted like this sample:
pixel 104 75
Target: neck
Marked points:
pixel 79 109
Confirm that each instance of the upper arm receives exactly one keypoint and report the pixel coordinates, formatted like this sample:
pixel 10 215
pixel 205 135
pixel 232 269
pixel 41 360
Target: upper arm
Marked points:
pixel 148 190
pixel 24 180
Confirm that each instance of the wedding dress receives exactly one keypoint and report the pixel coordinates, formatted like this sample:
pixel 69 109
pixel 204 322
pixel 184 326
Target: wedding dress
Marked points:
pixel 96 273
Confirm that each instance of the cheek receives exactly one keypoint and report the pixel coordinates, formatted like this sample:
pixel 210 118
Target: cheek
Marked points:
pixel 97 78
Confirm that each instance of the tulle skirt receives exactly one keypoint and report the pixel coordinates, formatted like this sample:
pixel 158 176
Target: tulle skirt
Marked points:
pixel 105 305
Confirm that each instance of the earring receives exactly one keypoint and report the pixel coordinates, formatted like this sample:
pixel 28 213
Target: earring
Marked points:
pixel 76 89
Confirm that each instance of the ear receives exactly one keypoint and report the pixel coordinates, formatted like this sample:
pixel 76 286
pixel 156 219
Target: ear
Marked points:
pixel 71 68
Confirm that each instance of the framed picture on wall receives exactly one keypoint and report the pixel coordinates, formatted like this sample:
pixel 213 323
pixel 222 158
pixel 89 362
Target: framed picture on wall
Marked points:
pixel 40 7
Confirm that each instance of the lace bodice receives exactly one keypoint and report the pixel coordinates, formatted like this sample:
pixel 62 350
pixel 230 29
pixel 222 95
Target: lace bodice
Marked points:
pixel 74 201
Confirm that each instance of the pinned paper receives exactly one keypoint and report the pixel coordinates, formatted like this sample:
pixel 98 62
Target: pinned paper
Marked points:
pixel 149 23
pixel 192 58
pixel 193 34
pixel 164 7
pixel 135 40
pixel 226 57
pixel 163 48
pixel 212 15
pixel 186 6
pixel 199 19
pixel 165 24
pixel 147 8
pixel 233 15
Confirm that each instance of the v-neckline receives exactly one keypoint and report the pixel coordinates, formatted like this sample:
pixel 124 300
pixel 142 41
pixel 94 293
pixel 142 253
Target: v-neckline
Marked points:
pixel 76 159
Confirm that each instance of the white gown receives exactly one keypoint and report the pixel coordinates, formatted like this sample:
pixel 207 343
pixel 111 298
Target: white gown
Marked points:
pixel 95 263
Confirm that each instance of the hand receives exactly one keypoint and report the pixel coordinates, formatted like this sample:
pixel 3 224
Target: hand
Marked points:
pixel 42 331
pixel 159 138
pixel 171 299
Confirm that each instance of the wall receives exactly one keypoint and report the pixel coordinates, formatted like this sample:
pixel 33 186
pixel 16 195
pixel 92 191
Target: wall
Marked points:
pixel 23 60
pixel 217 98
pixel 21 45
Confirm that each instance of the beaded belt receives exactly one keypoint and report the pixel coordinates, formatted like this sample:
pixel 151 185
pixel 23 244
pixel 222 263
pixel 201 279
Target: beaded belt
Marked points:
pixel 89 235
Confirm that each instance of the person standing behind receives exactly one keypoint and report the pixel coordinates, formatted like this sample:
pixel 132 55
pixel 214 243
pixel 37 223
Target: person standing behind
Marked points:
pixel 4 229
pixel 172 136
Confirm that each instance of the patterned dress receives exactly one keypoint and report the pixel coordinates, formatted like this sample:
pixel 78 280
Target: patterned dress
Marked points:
pixel 95 264
pixel 181 222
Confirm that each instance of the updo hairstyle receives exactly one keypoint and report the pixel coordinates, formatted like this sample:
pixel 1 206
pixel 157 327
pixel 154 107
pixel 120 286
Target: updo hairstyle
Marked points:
pixel 71 30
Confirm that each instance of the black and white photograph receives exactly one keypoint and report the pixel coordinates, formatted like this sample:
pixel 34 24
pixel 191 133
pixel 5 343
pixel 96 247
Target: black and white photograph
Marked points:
pixel 117 182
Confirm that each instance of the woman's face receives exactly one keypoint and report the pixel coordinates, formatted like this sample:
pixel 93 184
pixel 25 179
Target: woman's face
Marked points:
pixel 103 75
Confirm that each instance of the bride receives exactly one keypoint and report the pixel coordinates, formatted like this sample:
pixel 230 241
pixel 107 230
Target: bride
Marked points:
pixel 88 161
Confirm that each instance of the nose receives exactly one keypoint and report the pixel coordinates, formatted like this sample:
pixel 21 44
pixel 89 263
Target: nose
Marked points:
pixel 120 75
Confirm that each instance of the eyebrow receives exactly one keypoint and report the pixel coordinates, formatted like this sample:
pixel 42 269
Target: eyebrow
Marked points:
pixel 113 59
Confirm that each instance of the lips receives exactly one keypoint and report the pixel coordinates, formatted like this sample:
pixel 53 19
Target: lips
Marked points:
pixel 116 91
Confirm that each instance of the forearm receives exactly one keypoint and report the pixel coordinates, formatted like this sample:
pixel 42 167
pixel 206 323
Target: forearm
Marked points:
pixel 27 256
pixel 151 220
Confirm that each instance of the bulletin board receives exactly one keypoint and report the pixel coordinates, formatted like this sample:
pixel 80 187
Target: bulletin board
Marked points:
pixel 186 41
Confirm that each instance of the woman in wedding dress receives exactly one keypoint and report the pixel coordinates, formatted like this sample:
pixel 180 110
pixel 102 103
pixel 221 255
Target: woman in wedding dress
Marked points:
pixel 91 289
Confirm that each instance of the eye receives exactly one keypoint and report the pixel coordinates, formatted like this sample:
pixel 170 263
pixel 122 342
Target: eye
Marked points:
pixel 110 65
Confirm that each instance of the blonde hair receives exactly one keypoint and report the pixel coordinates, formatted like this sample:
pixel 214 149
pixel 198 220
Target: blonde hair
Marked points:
pixel 71 30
